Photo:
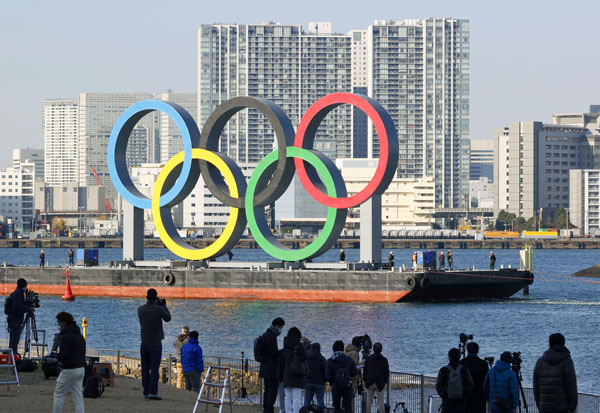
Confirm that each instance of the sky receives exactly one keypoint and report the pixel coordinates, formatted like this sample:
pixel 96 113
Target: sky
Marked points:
pixel 529 59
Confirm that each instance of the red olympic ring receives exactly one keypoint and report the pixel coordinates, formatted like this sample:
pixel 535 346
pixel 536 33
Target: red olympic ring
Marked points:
pixel 388 154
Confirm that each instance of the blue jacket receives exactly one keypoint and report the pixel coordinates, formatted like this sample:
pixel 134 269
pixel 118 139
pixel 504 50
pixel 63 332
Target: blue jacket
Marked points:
pixel 501 381
pixel 191 356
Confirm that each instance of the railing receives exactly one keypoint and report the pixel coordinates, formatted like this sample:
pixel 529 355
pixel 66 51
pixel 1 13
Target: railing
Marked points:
pixel 416 391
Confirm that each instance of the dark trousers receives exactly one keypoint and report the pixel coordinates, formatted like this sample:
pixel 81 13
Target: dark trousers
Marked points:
pixel 15 335
pixel 271 389
pixel 311 390
pixel 477 406
pixel 71 261
pixel 192 380
pixel 151 354
pixel 342 399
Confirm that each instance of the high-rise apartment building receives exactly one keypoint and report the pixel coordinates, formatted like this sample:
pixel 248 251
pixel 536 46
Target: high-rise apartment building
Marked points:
pixel 482 159
pixel 170 136
pixel 360 71
pixel 280 63
pixel 60 123
pixel 584 200
pixel 419 71
pixel 532 161
pixel 98 113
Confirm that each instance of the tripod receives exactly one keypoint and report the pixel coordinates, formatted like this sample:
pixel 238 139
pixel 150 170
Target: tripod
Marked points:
pixel 517 370
pixel 243 392
pixel 30 327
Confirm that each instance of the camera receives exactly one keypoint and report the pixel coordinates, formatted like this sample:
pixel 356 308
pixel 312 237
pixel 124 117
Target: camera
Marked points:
pixel 305 343
pixel 364 344
pixel 161 301
pixel 462 345
pixel 465 337
pixel 32 299
pixel 516 361
pixel 490 360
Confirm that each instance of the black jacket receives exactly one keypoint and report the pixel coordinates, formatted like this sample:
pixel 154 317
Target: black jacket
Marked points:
pixel 269 369
pixel 151 316
pixel 179 341
pixel 441 385
pixel 72 348
pixel 376 370
pixel 291 347
pixel 18 308
pixel 478 369
pixel 337 361
pixel 316 366
pixel 554 381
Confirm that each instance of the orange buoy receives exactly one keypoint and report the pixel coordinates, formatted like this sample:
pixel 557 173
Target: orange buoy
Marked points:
pixel 68 293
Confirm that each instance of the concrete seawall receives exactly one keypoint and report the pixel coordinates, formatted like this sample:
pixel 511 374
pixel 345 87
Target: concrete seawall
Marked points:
pixel 387 243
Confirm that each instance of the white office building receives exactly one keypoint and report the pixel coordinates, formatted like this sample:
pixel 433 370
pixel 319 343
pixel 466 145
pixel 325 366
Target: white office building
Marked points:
pixel 584 200
pixel 30 155
pixel 16 195
pixel 60 124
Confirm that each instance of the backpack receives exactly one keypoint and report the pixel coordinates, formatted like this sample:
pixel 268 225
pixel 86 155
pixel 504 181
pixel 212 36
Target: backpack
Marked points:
pixel 94 387
pixel 50 368
pixel 8 305
pixel 455 389
pixel 342 378
pixel 26 365
pixel 260 349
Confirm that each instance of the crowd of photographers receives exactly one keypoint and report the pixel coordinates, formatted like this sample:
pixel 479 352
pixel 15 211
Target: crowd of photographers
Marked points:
pixel 466 385
pixel 300 365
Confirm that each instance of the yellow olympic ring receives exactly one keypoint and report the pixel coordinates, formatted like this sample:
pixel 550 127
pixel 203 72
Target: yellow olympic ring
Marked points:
pixel 162 215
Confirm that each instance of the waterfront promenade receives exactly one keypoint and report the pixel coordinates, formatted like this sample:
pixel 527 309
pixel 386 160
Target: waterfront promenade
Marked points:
pixel 345 243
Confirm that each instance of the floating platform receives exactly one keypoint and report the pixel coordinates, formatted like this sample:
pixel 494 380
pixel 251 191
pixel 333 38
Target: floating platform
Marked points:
pixel 272 283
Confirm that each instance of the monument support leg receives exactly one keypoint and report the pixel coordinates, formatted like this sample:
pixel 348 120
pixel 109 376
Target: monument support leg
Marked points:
pixel 370 230
pixel 133 232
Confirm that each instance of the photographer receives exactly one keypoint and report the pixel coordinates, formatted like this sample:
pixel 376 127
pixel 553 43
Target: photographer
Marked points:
pixel 151 316
pixel 478 369
pixel 72 358
pixel 376 374
pixel 501 387
pixel 454 384
pixel 16 312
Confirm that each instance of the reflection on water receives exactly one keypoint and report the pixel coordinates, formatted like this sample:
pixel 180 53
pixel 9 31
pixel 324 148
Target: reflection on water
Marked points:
pixel 415 336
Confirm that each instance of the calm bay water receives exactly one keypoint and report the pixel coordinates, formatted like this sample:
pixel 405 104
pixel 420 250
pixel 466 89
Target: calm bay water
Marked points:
pixel 415 336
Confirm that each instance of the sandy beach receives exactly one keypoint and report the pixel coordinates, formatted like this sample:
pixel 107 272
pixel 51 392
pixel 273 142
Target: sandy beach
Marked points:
pixel 36 395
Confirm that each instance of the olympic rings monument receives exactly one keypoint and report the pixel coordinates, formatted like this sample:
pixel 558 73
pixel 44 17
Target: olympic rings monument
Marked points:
pixel 270 179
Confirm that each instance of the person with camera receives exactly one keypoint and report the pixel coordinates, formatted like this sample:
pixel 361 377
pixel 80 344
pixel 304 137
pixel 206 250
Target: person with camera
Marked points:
pixel 339 371
pixel 179 341
pixel 315 380
pixel 454 384
pixel 501 387
pixel 294 357
pixel 151 316
pixel 269 364
pixel 192 363
pixel 376 375
pixel 16 308
pixel 71 356
pixel 352 350
pixel 478 369
pixel 554 379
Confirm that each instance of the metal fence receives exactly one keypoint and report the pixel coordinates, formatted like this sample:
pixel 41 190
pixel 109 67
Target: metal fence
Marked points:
pixel 417 392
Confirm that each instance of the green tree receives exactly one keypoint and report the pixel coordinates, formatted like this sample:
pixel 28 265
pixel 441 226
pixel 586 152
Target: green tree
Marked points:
pixel 504 218
pixel 560 219
pixel 520 224
pixel 531 224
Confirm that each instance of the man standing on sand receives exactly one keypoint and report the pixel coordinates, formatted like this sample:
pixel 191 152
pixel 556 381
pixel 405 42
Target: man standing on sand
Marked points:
pixel 151 316
pixel 179 341
pixel 71 355
pixel 16 314
pixel 269 367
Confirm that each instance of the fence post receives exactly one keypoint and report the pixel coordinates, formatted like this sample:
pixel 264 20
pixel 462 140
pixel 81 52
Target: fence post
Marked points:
pixel 422 394
pixel 170 370
pixel 118 362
